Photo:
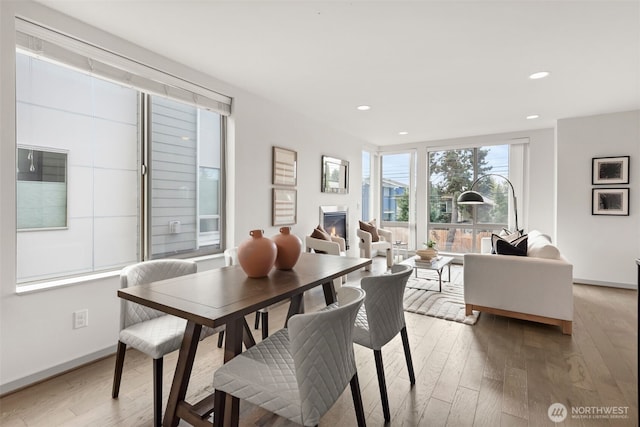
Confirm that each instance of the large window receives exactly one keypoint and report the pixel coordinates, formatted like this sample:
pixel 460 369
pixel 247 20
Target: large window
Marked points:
pixel 397 196
pixel 109 174
pixel 366 186
pixel 459 228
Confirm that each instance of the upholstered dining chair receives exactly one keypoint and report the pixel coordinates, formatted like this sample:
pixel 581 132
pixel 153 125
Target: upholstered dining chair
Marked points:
pixel 150 331
pixel 381 318
pixel 299 372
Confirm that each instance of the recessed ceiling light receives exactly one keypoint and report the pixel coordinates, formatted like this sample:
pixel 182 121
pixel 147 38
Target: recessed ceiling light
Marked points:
pixel 403 132
pixel 533 116
pixel 363 107
pixel 539 75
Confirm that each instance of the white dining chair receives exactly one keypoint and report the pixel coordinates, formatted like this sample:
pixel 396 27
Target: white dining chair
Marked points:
pixel 299 372
pixel 150 331
pixel 380 319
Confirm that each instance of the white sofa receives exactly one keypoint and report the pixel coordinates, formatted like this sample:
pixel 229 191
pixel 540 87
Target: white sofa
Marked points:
pixel 537 287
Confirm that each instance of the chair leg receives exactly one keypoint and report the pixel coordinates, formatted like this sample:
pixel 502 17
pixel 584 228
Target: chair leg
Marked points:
pixel 265 324
pixel 219 400
pixel 257 323
pixel 220 339
pixel 357 400
pixel 117 375
pixel 382 384
pixel 157 392
pixel 407 354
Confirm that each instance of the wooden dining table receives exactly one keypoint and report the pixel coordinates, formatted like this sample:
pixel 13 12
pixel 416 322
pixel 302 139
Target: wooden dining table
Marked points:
pixel 224 296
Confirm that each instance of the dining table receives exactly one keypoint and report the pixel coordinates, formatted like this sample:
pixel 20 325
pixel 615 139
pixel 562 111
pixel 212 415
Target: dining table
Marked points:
pixel 224 296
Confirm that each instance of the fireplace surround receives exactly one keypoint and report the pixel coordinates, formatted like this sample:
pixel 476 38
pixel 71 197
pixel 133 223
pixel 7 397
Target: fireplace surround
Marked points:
pixel 335 219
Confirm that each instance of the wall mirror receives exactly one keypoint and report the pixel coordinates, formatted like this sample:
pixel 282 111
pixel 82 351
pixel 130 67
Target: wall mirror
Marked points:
pixel 335 175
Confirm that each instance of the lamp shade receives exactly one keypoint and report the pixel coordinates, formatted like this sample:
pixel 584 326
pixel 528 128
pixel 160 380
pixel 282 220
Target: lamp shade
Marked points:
pixel 470 198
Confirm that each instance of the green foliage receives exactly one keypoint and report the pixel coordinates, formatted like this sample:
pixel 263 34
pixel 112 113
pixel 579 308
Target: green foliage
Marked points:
pixel 403 206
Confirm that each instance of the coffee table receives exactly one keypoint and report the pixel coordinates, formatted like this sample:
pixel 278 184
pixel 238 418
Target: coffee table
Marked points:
pixel 436 265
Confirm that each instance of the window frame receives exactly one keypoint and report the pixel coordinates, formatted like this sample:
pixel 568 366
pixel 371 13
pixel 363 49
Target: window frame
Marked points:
pixel 80 49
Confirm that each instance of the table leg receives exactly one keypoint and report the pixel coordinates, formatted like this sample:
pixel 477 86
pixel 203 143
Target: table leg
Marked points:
pixel 183 372
pixel 329 292
pixel 247 336
pixel 232 347
pixel 439 280
pixel 296 306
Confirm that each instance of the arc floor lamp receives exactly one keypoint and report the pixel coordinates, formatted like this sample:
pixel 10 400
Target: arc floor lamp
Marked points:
pixel 471 197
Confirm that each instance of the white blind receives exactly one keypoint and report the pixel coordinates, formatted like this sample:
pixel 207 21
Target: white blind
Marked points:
pixel 49 44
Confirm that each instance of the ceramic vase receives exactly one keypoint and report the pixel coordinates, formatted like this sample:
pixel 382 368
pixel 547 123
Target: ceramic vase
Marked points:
pixel 289 249
pixel 427 254
pixel 257 255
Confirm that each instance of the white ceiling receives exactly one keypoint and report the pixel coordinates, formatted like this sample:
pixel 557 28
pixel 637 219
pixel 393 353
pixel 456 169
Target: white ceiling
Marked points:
pixel 434 69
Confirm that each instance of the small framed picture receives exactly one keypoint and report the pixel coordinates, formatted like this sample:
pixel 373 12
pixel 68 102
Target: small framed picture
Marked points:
pixel 610 170
pixel 285 163
pixel 284 206
pixel 610 201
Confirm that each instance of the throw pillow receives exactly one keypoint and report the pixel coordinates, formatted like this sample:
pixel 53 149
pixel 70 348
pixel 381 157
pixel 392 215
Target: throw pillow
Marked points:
pixel 518 247
pixel 508 237
pixel 371 229
pixel 320 234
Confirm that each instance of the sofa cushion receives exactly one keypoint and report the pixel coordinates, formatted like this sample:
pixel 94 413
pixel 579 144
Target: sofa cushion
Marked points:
pixel 518 247
pixel 540 246
pixel 370 227
pixel 504 235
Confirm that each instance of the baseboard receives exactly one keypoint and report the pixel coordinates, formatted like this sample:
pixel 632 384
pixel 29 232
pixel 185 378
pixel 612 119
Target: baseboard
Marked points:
pixel 578 281
pixel 54 371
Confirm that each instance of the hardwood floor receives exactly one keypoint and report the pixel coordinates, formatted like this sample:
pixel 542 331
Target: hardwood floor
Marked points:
pixel 499 372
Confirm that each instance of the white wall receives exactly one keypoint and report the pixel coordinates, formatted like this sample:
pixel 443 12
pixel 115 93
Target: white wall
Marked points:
pixel 37 339
pixel 602 249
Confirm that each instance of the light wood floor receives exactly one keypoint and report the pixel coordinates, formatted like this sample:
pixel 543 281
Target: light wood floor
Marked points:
pixel 499 372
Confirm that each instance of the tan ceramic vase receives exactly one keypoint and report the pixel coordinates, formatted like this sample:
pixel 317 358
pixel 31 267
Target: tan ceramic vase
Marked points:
pixel 289 249
pixel 427 254
pixel 257 255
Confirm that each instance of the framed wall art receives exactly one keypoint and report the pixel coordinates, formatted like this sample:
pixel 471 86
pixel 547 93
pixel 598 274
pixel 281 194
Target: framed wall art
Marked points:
pixel 610 170
pixel 284 166
pixel 285 206
pixel 610 201
pixel 335 175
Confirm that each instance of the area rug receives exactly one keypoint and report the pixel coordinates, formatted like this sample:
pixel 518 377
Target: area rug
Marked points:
pixel 421 296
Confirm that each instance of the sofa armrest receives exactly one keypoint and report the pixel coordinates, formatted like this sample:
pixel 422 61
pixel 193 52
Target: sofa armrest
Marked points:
pixel 530 285
pixel 364 238
pixel 332 248
pixel 340 241
pixel 385 235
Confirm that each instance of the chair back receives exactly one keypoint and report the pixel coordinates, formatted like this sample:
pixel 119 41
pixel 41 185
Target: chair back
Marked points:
pixel 384 303
pixel 147 272
pixel 231 256
pixel 321 344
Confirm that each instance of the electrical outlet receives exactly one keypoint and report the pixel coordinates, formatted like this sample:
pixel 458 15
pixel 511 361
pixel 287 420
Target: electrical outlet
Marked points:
pixel 80 319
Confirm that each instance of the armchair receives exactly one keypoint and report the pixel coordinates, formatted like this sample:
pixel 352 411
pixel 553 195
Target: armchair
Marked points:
pixel 369 248
pixel 336 246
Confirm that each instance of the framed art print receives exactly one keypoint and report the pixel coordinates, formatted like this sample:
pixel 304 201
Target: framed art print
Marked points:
pixel 610 170
pixel 610 201
pixel 284 166
pixel 284 206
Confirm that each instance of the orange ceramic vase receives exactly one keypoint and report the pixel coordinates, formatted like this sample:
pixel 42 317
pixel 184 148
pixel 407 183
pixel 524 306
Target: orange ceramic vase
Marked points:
pixel 289 249
pixel 257 255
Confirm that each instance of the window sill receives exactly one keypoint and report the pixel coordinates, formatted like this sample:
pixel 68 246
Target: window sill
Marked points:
pixel 72 281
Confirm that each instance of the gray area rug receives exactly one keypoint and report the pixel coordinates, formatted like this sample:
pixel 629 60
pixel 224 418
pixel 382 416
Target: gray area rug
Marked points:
pixel 421 296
